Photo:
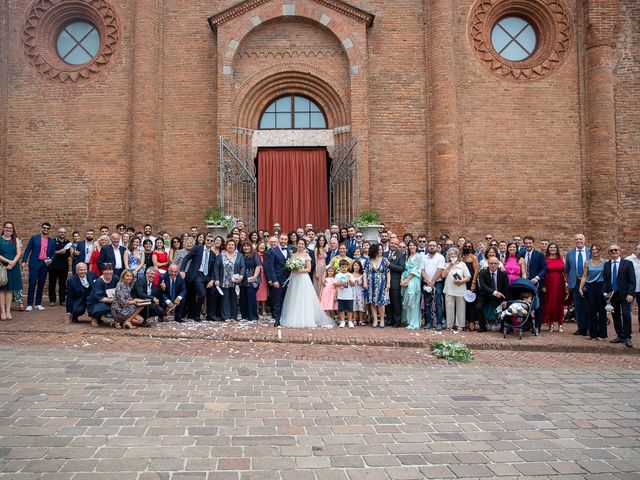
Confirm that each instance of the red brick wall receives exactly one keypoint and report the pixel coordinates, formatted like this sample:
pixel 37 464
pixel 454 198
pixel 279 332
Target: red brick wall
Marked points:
pixel 626 67
pixel 189 102
pixel 520 146
pixel 68 145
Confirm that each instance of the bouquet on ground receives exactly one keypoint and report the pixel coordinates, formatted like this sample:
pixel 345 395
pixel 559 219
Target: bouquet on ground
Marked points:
pixel 452 351
pixel 294 264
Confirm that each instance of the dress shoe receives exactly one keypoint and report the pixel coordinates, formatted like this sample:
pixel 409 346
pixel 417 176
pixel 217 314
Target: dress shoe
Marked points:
pixel 628 343
pixel 179 320
pixel 617 340
pixel 277 323
pixel 482 330
pixel 578 332
pixel 145 324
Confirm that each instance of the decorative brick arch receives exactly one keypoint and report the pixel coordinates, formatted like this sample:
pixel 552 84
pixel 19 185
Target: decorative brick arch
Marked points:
pixel 256 92
pixel 327 13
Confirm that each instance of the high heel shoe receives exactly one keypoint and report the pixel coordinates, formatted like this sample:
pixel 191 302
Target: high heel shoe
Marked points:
pixel 21 306
pixel 127 325
pixel 551 327
pixel 560 329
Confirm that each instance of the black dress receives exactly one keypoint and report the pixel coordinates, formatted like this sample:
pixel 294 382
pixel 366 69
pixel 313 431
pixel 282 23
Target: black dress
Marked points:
pixel 470 307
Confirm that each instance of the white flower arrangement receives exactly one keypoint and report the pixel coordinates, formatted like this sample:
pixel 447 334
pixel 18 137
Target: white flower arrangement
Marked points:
pixel 294 264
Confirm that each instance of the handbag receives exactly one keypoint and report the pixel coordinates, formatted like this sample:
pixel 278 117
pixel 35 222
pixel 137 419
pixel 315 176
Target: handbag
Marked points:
pixel 4 277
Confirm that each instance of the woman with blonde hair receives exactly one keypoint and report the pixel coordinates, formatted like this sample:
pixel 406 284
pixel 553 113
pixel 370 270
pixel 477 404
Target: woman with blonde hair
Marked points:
pixel 124 308
pixel 102 241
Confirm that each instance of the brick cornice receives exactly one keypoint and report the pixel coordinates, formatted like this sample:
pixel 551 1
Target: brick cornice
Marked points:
pixel 243 7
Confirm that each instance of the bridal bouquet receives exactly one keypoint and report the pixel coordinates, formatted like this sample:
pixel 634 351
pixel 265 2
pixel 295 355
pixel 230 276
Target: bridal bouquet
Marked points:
pixel 294 264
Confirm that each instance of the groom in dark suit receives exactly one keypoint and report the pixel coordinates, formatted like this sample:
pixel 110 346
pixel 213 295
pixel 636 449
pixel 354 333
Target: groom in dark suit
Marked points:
pixel 276 276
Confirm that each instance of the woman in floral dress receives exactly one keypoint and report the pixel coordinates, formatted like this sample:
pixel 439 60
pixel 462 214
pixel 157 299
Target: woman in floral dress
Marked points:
pixel 376 283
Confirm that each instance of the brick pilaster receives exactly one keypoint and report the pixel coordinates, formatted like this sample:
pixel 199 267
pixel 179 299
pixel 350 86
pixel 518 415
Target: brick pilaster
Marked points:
pixel 599 21
pixel 444 132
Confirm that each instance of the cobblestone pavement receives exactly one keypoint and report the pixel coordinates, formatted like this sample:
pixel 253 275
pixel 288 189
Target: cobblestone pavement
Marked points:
pixel 213 401
pixel 85 407
pixel 52 321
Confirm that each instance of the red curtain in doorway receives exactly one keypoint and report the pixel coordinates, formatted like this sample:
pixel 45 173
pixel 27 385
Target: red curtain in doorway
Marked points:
pixel 292 188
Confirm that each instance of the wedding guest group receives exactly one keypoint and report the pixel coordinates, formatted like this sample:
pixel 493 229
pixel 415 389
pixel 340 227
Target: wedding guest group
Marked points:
pixel 392 280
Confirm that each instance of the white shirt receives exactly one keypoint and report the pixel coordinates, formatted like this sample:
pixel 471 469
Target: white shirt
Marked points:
pixel 84 281
pixel 88 250
pixel 636 267
pixel 431 264
pixel 116 253
pixel 345 292
pixel 450 288
pixel 284 250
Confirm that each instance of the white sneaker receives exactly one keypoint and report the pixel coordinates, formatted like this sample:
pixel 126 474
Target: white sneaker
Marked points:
pixel 351 325
pixel 341 324
pixel 39 307
pixel 28 309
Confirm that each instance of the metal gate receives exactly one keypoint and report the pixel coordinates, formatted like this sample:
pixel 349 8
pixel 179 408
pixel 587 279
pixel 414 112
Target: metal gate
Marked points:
pixel 238 183
pixel 343 183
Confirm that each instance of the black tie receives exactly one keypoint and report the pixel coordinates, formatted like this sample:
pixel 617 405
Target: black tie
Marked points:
pixel 495 281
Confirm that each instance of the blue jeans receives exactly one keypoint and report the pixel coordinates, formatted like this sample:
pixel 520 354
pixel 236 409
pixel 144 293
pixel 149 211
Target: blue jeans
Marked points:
pixel 435 296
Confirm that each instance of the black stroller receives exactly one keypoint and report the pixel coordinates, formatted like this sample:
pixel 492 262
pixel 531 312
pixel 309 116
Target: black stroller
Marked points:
pixel 518 314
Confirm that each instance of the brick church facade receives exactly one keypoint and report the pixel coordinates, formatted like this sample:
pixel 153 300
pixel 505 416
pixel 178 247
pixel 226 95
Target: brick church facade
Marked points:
pixel 443 115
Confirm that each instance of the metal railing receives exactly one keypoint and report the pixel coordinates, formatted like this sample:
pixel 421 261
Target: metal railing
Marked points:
pixel 238 182
pixel 344 192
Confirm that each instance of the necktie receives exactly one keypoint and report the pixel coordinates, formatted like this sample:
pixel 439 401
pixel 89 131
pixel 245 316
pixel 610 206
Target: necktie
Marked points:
pixel 171 289
pixel 580 266
pixel 614 276
pixel 495 281
pixel 206 262
pixel 528 260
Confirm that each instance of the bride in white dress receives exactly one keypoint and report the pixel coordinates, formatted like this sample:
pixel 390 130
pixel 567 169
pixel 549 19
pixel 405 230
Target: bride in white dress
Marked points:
pixel 301 307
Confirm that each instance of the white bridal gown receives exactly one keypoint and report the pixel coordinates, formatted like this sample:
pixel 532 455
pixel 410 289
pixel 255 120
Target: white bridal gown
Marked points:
pixel 301 307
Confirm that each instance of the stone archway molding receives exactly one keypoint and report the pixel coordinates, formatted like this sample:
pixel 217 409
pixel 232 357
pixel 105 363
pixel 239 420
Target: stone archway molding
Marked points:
pixel 260 89
pixel 328 13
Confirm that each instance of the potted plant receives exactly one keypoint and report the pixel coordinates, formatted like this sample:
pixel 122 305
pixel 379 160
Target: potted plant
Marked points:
pixel 217 223
pixel 369 224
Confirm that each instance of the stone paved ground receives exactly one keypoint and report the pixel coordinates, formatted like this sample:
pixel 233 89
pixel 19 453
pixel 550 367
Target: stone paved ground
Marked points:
pixel 79 403
pixel 52 321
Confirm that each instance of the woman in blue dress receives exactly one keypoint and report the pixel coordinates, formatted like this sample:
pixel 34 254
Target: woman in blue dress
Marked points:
pixel 134 259
pixel 410 283
pixel 376 283
pixel 10 259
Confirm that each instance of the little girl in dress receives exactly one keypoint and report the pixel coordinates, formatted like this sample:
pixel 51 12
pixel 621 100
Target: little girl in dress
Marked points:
pixel 358 293
pixel 329 294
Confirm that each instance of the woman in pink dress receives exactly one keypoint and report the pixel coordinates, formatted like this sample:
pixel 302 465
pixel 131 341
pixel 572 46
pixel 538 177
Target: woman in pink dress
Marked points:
pixel 321 262
pixel 261 295
pixel 554 288
pixel 513 264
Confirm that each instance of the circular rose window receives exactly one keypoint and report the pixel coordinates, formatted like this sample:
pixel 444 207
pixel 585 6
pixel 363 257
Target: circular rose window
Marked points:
pixel 70 40
pixel 520 40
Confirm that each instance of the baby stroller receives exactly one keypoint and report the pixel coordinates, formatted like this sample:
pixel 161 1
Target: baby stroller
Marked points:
pixel 518 314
